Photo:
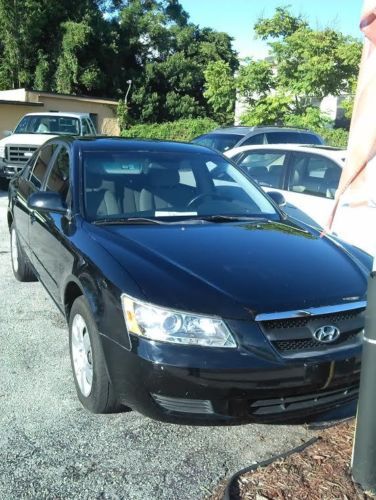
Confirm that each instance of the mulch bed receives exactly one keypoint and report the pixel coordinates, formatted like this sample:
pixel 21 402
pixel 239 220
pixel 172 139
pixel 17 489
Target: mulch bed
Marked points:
pixel 320 472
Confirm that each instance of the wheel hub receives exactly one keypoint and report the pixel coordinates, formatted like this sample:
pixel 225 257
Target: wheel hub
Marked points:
pixel 81 354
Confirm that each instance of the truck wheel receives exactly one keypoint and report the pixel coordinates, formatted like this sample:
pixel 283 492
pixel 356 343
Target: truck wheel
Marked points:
pixel 93 386
pixel 4 183
pixel 21 266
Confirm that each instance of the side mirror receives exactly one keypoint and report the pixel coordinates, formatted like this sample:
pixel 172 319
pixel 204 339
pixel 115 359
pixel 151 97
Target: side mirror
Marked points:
pixel 278 198
pixel 47 201
pixel 7 133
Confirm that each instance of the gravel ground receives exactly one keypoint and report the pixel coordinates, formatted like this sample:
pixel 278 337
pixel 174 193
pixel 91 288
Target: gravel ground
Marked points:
pixel 50 447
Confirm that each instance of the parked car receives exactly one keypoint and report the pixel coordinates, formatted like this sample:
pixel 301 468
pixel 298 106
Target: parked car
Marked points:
pixel 189 295
pixel 35 129
pixel 227 138
pixel 308 178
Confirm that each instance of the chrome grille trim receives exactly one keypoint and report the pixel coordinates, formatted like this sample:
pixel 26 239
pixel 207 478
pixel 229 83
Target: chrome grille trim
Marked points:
pixel 182 405
pixel 312 311
pixel 19 154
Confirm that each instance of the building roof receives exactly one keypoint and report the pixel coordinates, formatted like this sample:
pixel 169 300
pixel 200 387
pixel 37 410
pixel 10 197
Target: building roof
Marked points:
pixel 21 103
pixel 100 100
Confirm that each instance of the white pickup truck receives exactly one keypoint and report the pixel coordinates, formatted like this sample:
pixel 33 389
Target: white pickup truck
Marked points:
pixel 33 130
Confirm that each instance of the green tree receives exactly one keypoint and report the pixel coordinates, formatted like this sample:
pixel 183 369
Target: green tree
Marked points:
pixel 166 56
pixel 303 64
pixel 220 90
pixel 75 38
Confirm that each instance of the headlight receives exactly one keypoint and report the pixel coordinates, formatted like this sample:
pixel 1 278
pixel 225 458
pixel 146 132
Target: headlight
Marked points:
pixel 2 150
pixel 168 325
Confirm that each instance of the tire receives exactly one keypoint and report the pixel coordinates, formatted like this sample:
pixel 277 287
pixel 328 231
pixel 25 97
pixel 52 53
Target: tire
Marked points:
pixel 4 183
pixel 21 266
pixel 93 386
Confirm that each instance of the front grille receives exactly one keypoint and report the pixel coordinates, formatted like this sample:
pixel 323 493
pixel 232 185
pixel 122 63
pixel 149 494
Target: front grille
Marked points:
pixel 304 320
pixel 287 404
pixel 291 336
pixel 19 154
pixel 296 345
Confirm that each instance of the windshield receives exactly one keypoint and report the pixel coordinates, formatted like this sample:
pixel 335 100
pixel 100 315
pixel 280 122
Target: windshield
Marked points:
pixel 220 142
pixel 46 124
pixel 168 186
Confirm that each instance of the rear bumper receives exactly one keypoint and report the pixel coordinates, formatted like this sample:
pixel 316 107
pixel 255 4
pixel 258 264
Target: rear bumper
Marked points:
pixel 189 385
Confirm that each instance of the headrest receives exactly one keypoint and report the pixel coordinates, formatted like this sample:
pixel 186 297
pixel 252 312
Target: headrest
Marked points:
pixel 332 175
pixel 258 171
pixel 94 165
pixel 275 169
pixel 159 176
pixel 93 181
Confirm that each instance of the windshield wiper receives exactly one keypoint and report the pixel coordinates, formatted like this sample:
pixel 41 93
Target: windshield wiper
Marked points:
pixel 232 218
pixel 128 220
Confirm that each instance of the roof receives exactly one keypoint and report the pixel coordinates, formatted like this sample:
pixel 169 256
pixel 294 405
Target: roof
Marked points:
pixel 101 100
pixel 58 113
pixel 105 143
pixel 241 130
pixel 336 154
pixel 22 103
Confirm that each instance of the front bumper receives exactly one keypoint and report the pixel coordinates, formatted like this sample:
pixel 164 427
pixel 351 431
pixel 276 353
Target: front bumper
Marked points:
pixel 186 384
pixel 8 171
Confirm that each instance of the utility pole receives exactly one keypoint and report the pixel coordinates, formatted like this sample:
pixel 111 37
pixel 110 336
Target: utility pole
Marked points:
pixel 358 184
pixel 364 455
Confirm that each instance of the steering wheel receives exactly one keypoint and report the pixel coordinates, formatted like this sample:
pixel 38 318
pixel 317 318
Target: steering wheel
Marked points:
pixel 202 196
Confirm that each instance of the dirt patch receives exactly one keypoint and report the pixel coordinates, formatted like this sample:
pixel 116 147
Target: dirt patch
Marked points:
pixel 321 471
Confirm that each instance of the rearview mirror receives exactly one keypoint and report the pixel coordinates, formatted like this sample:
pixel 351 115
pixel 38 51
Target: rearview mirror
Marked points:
pixel 7 133
pixel 277 198
pixel 46 201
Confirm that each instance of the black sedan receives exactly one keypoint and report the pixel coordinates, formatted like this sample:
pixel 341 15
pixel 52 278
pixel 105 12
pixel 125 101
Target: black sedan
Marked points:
pixel 189 294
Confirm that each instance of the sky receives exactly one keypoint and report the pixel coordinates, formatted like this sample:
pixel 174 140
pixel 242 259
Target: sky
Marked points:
pixel 237 17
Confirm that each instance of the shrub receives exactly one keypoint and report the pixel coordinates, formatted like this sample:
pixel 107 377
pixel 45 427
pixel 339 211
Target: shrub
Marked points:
pixel 180 130
pixel 334 136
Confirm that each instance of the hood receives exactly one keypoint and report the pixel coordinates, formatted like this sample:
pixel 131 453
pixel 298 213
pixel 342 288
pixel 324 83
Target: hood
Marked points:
pixel 234 270
pixel 26 139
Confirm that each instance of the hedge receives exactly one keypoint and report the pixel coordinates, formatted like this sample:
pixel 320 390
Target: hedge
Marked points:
pixel 335 136
pixel 187 129
pixel 180 130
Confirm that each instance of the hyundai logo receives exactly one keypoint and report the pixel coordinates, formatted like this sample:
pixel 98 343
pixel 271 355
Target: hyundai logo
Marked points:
pixel 326 334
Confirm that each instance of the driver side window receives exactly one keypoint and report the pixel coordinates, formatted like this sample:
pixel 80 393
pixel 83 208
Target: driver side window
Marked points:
pixel 58 179
pixel 41 165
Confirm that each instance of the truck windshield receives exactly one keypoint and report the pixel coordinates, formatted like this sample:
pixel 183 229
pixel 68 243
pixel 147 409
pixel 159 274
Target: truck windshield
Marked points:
pixel 45 124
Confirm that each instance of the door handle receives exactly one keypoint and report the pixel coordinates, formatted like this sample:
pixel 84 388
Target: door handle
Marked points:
pixel 32 217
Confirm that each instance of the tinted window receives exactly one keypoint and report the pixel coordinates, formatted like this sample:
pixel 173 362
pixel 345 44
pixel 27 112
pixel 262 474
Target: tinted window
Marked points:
pixel 94 120
pixel 48 124
pixel 165 185
pixel 291 137
pixel 254 139
pixel 220 142
pixel 314 175
pixel 40 168
pixel 310 139
pixel 265 167
pixel 86 128
pixel 58 179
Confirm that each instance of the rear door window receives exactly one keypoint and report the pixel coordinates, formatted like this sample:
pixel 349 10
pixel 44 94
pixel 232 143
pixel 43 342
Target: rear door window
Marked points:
pixel 314 175
pixel 86 128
